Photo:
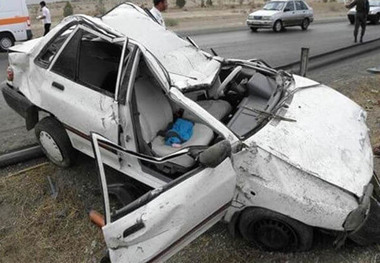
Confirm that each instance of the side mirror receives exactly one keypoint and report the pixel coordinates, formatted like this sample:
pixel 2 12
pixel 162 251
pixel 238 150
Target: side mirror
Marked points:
pixel 286 9
pixel 215 154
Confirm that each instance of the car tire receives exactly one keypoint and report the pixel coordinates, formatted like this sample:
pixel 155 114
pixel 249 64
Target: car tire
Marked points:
pixel 305 24
pixel 274 232
pixel 55 142
pixel 352 20
pixel 6 41
pixel 254 29
pixel 277 26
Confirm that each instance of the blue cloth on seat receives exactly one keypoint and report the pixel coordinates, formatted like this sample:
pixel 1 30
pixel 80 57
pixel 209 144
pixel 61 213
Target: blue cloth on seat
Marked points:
pixel 181 131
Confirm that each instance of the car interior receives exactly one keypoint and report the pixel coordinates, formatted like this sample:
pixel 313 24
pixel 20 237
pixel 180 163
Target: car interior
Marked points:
pixel 233 101
pixel 103 58
pixel 242 94
pixel 154 112
pixel 85 54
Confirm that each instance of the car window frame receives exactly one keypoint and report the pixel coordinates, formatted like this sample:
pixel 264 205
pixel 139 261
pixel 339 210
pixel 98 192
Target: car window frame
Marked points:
pixel 305 6
pixel 293 4
pixel 103 37
pixel 52 64
pixel 124 86
pixel 37 60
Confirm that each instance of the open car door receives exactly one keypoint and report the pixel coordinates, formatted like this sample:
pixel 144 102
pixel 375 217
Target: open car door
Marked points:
pixel 162 221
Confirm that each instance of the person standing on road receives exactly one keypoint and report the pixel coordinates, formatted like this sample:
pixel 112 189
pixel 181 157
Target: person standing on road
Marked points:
pixel 159 6
pixel 362 10
pixel 45 16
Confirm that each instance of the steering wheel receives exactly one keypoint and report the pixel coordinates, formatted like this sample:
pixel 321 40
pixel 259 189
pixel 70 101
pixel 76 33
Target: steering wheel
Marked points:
pixel 222 88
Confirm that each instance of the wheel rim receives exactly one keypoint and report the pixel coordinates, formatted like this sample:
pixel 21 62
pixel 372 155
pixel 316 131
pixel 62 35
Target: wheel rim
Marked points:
pixel 273 235
pixel 278 26
pixel 50 146
pixel 5 42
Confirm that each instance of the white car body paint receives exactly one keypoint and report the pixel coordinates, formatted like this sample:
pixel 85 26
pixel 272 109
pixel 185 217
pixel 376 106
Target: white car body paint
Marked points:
pixel 182 210
pixel 313 170
pixel 373 10
pixel 320 123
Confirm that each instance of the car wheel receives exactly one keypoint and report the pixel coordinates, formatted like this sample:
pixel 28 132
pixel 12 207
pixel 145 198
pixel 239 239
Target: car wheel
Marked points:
pixel 6 41
pixel 277 27
pixel 254 29
pixel 305 24
pixel 274 232
pixel 352 20
pixel 55 142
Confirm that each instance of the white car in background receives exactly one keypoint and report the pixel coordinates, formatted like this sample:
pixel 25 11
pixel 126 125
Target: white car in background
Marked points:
pixel 373 15
pixel 276 156
pixel 279 14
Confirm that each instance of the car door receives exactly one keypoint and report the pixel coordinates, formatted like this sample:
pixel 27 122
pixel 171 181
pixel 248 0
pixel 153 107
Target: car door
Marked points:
pixel 80 88
pixel 289 14
pixel 165 219
pixel 301 11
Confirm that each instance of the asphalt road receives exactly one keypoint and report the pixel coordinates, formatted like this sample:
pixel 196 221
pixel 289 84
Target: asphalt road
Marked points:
pixel 275 48
pixel 282 48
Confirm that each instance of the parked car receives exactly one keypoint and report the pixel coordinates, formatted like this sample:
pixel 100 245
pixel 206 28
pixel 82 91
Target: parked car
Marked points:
pixel 373 15
pixel 274 155
pixel 14 23
pixel 279 14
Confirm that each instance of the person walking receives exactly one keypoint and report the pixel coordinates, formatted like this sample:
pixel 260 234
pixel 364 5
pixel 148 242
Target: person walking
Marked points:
pixel 159 6
pixel 362 10
pixel 45 16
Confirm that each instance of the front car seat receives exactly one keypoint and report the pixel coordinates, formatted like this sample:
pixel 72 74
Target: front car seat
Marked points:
pixel 156 114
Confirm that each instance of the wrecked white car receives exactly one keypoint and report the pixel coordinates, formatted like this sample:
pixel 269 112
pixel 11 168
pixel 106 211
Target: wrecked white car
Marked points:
pixel 273 155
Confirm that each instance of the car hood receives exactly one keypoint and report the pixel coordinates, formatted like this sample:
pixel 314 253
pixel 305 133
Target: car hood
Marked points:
pixel 264 13
pixel 329 139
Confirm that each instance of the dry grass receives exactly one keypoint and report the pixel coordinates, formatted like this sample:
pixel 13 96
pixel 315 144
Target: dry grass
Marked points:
pixel 34 227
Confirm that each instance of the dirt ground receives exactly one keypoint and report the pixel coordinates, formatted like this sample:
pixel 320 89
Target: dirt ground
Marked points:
pixel 191 17
pixel 36 227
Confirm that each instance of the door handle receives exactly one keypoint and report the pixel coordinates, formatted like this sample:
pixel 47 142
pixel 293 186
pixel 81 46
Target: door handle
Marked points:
pixel 133 229
pixel 58 86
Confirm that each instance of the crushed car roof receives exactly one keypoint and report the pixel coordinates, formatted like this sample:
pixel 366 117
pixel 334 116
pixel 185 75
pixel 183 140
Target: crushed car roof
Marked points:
pixel 186 64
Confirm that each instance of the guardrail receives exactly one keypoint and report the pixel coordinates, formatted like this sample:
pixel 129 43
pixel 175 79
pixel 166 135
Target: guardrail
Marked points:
pixel 334 56
pixel 31 152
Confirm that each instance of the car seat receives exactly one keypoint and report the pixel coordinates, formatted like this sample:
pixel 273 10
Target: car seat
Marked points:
pixel 155 115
